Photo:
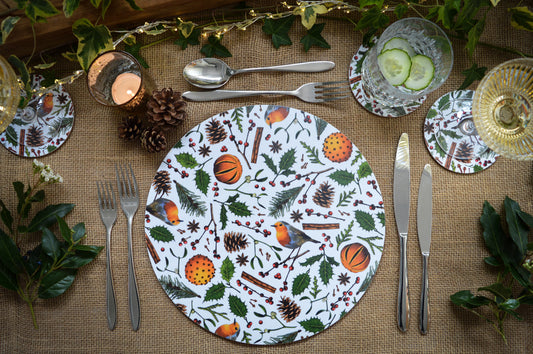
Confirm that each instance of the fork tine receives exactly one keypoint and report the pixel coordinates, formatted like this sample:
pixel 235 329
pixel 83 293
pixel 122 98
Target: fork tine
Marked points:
pixel 333 98
pixel 109 193
pixel 331 83
pixel 99 195
pixel 121 181
pixel 133 180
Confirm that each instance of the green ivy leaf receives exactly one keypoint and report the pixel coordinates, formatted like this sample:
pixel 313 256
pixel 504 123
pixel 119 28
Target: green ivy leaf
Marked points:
pixel 40 10
pixel 186 160
pixel 300 283
pixel 92 40
pixel 69 6
pixel 237 307
pixel 466 299
pixel 202 180
pixel 47 216
pixel 215 292
pixel 161 233
pixel 310 13
pixel 134 50
pixel 473 36
pixel 365 3
pixel 326 272
pixel 314 38
pixel 521 18
pixel 51 245
pixel 192 39
pixel 239 209
pixel 7 26
pixel 365 220
pixel 227 269
pixel 133 5
pixel 105 6
pixel 364 170
pixel 342 177
pixel 279 30
pixel 313 325
pixel 56 283
pixel 185 28
pixel 372 19
pixel 20 66
pixel 400 10
pixel 9 254
pixel 214 47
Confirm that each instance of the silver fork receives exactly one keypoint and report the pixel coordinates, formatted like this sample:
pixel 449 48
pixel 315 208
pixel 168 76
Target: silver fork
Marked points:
pixel 129 201
pixel 314 92
pixel 108 214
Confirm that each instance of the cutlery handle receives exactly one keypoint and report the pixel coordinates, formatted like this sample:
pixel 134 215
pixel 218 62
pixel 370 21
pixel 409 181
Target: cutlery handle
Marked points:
pixel 424 298
pixel 308 67
pixel 403 288
pixel 133 294
pixel 225 94
pixel 111 305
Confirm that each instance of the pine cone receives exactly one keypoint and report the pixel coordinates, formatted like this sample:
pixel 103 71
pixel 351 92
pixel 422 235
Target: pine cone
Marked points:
pixel 166 108
pixel 215 132
pixel 324 195
pixel 35 136
pixel 162 182
pixel 153 140
pixel 288 309
pixel 131 128
pixel 235 241
pixel 464 152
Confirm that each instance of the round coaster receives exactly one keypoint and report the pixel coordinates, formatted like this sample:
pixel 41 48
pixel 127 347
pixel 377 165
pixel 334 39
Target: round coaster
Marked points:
pixel 451 136
pixel 43 125
pixel 365 100
pixel 265 225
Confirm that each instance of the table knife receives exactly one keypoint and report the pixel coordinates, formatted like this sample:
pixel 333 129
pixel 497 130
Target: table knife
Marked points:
pixel 424 214
pixel 401 194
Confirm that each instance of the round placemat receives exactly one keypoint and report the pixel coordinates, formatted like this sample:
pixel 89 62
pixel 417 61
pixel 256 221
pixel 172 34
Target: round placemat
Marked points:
pixel 265 225
pixel 451 137
pixel 43 125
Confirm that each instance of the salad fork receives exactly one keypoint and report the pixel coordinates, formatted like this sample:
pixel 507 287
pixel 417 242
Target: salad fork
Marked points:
pixel 314 92
pixel 129 201
pixel 108 214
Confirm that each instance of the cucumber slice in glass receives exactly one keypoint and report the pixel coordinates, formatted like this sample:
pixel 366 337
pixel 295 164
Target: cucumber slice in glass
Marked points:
pixel 399 43
pixel 395 65
pixel 421 73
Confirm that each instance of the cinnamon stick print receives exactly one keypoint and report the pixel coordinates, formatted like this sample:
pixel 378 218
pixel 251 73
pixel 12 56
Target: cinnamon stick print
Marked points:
pixel 258 282
pixel 151 249
pixel 257 142
pixel 310 226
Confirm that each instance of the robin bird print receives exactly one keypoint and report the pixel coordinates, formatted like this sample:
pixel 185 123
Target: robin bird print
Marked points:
pixel 165 210
pixel 290 237
pixel 276 115
pixel 228 331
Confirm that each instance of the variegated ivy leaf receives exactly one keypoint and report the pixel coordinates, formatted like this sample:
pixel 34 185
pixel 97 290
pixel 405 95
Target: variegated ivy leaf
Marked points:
pixel 494 2
pixel 522 18
pixel 92 40
pixel 7 26
pixel 186 28
pixel 309 13
pixel 69 6
pixel 130 40
pixel 39 11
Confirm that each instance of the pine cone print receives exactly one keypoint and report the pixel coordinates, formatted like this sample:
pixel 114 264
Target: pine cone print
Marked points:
pixel 464 152
pixel 153 140
pixel 215 132
pixel 235 241
pixel 131 128
pixel 35 136
pixel 288 309
pixel 166 108
pixel 162 182
pixel 324 195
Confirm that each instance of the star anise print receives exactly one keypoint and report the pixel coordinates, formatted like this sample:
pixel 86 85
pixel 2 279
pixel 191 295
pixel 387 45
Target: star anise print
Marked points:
pixel 428 127
pixel 62 98
pixel 193 226
pixel 242 260
pixel 296 216
pixel 344 279
pixel 275 147
pixel 204 150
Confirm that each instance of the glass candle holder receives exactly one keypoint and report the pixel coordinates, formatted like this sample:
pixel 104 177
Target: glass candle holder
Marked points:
pixel 115 78
pixel 9 94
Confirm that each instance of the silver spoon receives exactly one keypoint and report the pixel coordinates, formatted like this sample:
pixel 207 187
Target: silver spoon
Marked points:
pixel 211 73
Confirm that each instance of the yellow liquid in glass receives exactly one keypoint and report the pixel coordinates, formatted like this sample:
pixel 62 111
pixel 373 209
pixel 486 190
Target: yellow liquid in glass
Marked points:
pixel 9 94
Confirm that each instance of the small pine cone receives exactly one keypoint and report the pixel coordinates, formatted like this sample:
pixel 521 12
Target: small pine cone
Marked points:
pixel 324 195
pixel 288 309
pixel 162 182
pixel 235 241
pixel 153 140
pixel 131 128
pixel 465 152
pixel 215 132
pixel 166 108
pixel 35 136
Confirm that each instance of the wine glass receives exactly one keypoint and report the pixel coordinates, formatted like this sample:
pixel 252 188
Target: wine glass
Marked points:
pixel 415 36
pixel 9 94
pixel 503 109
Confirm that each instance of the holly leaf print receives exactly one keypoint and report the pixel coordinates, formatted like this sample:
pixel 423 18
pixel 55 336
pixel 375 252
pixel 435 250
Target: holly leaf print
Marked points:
pixel 381 218
pixel 325 271
pixel 223 217
pixel 215 292
pixel 287 160
pixel 239 209
pixel 365 220
pixel 313 325
pixel 161 233
pixel 364 170
pixel 300 283
pixel 11 136
pixel 227 269
pixel 186 160
pixel 342 177
pixel 202 180
pixel 270 163
pixel 311 260
pixel 237 307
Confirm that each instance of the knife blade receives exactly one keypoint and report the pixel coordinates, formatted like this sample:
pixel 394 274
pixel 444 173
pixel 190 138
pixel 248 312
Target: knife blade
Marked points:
pixel 424 216
pixel 402 195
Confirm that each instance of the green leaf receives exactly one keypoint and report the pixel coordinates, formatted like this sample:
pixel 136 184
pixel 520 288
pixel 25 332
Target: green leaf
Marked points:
pixel 92 40
pixel 509 306
pixel 8 279
pixel 314 38
pixel 223 217
pixel 381 218
pixel 300 283
pixel 472 74
pixel 365 220
pixel 89 249
pixel 6 27
pixel 78 259
pixel 39 10
pixel 186 28
pixel 498 289
pixel 365 3
pixel 372 19
pixel 270 163
pixel 133 5
pixel 20 66
pixel 237 307
pixel 186 160
pixel 493 261
pixel 215 292
pixel 311 260
pixel 492 230
pixel 47 216
pixel 227 269
pixel 12 136
pixel 64 230
pixel 134 49
pixel 521 18
pixel 214 47
pixel 313 325
pixel 202 180
pixel 467 300
pixel 518 230
pixel 37 197
pixel 312 153
pixel 527 218
pixel 400 10
pixel 287 160
pixel 51 245
pixel 310 13
pixel 473 36
pixel 6 216
pixel 78 232
pixel 364 170
pixel 56 283
pixel 283 200
pixel 279 30
pixel 326 272
pixel 69 6
pixel 105 6
pixel 239 209
pixel 342 177
pixel 161 233
pixel 9 254
pixel 192 39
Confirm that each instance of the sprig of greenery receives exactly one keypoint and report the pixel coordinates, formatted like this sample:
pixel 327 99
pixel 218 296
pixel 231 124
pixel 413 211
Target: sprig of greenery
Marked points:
pixel 49 269
pixel 513 256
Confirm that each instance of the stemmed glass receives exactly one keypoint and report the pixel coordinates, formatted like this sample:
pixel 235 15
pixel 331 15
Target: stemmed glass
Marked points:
pixel 502 109
pixel 9 94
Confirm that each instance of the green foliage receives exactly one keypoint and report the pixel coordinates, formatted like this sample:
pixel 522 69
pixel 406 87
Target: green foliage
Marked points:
pixel 6 27
pixel 313 325
pixel 511 254
pixel 92 40
pixel 214 47
pixel 161 234
pixel 279 30
pixel 314 37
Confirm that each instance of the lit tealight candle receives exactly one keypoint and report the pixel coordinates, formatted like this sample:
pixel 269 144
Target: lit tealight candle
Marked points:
pixel 125 87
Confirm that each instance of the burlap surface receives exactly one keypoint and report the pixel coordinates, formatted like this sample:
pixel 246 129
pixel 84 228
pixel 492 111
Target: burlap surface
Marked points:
pixel 76 321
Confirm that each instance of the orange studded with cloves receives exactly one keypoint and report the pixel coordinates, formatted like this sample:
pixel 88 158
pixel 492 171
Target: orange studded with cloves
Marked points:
pixel 227 169
pixel 337 147
pixel 199 270
pixel 355 257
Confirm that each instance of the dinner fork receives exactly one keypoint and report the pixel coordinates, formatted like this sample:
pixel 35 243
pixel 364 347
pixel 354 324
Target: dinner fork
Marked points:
pixel 314 92
pixel 129 201
pixel 108 214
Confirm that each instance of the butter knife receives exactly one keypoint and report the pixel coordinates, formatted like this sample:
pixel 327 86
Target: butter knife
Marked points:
pixel 424 214
pixel 401 194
